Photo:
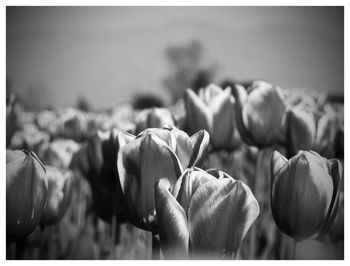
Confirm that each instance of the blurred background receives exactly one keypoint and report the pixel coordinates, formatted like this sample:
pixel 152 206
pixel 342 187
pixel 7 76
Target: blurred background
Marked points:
pixel 64 56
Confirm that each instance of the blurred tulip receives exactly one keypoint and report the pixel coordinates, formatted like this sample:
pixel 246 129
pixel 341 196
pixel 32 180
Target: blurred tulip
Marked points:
pixel 213 110
pixel 307 130
pixel 60 186
pixel 26 193
pixel 29 137
pixel 153 154
pixel 260 113
pixel 72 124
pixel 207 214
pixel 58 153
pixel 153 118
pixel 96 161
pixel 304 193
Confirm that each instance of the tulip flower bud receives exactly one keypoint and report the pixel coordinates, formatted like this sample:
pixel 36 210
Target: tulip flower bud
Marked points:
pixel 307 130
pixel 60 186
pixel 208 216
pixel 304 193
pixel 155 153
pixel 213 110
pixel 260 114
pixel 153 118
pixel 26 192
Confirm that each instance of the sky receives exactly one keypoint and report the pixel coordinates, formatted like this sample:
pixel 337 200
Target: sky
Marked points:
pixel 108 54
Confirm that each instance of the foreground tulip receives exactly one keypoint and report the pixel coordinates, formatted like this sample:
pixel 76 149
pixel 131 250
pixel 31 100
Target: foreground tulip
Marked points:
pixel 96 161
pixel 26 192
pixel 60 186
pixel 307 130
pixel 207 214
pixel 260 113
pixel 213 110
pixel 153 118
pixel 304 193
pixel 153 154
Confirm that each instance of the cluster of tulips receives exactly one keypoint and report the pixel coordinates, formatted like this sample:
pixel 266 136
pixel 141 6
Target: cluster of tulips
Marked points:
pixel 153 171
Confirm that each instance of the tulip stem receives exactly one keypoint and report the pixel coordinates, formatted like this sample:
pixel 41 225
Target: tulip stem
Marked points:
pixel 255 188
pixel 155 247
pixel 113 233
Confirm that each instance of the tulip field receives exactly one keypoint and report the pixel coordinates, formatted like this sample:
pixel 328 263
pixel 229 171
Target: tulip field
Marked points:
pixel 242 173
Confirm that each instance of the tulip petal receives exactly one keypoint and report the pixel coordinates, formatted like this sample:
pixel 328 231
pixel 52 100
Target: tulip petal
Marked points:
pixel 241 96
pixel 336 172
pixel 222 109
pixel 277 163
pixel 172 221
pixel 200 144
pixel 220 214
pixel 190 181
pixel 326 135
pixel 210 92
pixel 301 130
pixel 198 114
pixel 140 164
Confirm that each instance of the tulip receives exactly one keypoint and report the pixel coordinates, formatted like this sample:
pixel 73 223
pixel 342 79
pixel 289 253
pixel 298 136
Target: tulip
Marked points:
pixel 260 114
pixel 153 154
pixel 153 118
pixel 207 214
pixel 307 130
pixel 96 161
pixel 72 124
pixel 60 186
pixel 213 110
pixel 26 192
pixel 58 153
pixel 304 193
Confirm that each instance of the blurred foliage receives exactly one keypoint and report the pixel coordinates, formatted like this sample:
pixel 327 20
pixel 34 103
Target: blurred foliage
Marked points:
pixel 188 69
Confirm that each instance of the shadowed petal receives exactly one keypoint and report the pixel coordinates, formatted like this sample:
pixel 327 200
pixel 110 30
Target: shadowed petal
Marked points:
pixel 220 214
pixel 199 144
pixel 172 221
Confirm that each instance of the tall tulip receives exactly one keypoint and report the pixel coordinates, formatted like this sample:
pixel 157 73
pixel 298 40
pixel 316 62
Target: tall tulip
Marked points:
pixel 260 113
pixel 213 110
pixel 153 154
pixel 153 118
pixel 26 192
pixel 60 186
pixel 307 130
pixel 96 161
pixel 207 214
pixel 304 193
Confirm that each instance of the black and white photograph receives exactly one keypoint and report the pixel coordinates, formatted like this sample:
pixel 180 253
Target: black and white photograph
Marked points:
pixel 174 132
